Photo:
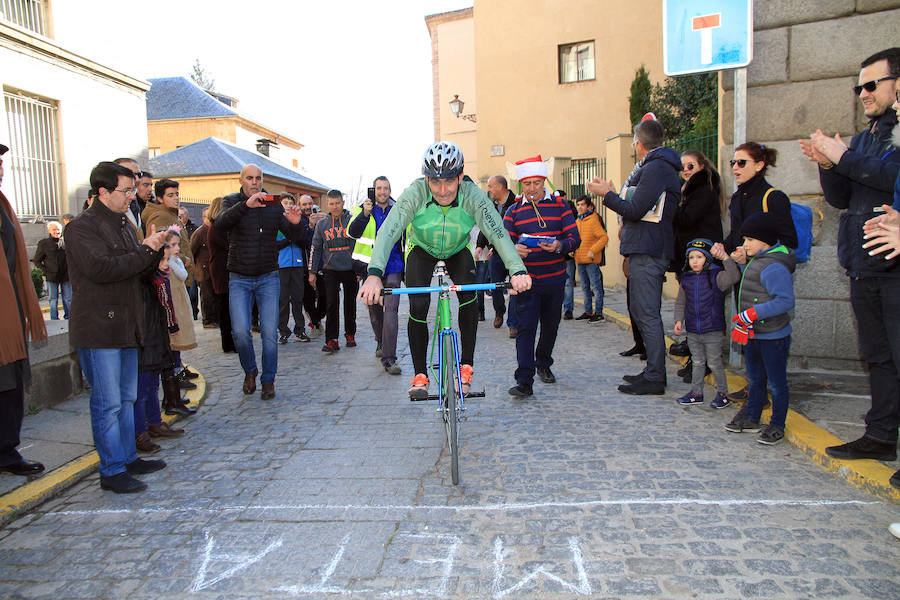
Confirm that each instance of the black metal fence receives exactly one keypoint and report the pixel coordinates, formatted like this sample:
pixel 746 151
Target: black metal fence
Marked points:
pixel 707 144
pixel 579 173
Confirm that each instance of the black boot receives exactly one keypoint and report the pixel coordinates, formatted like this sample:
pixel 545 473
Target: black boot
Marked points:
pixel 172 401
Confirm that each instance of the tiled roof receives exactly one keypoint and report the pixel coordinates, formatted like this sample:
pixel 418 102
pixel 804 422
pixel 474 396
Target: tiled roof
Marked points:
pixel 212 156
pixel 181 98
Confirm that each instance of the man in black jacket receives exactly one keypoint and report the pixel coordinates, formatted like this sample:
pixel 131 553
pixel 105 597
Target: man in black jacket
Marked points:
pixel 253 218
pixel 647 241
pixel 105 263
pixel 503 198
pixel 860 178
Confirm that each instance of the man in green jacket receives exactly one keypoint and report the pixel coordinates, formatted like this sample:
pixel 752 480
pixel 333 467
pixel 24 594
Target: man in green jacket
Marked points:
pixel 440 210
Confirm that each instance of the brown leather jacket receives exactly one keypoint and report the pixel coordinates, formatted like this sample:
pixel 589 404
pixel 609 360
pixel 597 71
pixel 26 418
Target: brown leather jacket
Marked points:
pixel 105 264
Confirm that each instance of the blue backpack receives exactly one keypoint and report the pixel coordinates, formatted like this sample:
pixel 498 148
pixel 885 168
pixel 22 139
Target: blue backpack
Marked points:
pixel 803 221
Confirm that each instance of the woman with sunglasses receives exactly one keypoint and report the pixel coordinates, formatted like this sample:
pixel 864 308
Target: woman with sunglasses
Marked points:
pixel 699 216
pixel 749 166
pixel 702 205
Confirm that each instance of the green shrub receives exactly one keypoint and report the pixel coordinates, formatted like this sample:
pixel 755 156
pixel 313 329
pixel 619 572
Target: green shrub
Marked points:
pixel 37 278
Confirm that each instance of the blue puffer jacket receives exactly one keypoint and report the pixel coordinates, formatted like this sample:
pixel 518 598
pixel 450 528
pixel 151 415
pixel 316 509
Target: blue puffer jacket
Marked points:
pixel 704 302
pixel 289 255
pixel 655 174
pixel 862 181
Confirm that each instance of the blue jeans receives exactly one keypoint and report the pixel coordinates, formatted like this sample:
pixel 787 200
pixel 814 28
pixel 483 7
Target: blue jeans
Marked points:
pixel 767 362
pixel 265 290
pixel 54 289
pixel 569 296
pixel 591 277
pixel 146 408
pixel 538 306
pixel 113 376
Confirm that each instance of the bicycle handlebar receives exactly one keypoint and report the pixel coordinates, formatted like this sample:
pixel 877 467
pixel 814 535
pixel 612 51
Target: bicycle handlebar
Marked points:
pixel 469 287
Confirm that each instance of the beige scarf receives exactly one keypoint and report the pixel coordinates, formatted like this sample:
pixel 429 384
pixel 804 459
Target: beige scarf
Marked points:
pixel 12 342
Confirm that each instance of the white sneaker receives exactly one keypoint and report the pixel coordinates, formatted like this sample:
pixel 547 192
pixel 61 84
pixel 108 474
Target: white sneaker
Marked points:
pixel 895 529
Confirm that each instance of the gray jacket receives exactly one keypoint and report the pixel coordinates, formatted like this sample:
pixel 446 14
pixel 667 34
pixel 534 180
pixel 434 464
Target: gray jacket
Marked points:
pixel 332 246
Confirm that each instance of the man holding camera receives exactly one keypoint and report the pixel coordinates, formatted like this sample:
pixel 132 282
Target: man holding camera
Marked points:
pixel 253 218
pixel 313 295
pixel 364 226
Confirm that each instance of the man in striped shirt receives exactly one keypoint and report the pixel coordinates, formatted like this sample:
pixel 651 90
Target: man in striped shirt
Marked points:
pixel 544 230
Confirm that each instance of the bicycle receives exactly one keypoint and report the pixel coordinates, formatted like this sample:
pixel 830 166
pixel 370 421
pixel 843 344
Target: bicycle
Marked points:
pixel 447 369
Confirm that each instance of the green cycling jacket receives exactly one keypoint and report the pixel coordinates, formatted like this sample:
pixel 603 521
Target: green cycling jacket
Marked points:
pixel 443 233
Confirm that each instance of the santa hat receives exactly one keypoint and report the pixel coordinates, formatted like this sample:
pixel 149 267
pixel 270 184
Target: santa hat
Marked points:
pixel 531 167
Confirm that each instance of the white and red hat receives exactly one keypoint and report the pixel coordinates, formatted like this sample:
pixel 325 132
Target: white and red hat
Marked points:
pixel 531 167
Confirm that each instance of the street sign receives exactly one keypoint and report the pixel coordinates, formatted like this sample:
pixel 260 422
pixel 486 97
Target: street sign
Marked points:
pixel 706 35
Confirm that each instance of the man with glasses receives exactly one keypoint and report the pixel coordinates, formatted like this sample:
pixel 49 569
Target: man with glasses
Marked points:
pixel 648 241
pixel 105 263
pixel 860 179
pixel 143 187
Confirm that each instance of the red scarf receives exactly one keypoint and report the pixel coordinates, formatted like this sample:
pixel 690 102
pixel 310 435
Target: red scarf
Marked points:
pixel 12 340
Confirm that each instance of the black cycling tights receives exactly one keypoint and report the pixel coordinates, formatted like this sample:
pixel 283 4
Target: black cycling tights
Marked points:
pixel 419 268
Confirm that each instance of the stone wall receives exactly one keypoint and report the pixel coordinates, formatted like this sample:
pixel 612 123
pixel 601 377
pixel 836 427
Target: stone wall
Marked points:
pixel 806 58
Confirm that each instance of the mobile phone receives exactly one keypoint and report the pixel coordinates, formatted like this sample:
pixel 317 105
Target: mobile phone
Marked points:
pixel 271 198
pixel 371 193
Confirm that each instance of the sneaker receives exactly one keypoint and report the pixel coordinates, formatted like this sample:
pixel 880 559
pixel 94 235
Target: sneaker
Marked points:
pixel 720 401
pixel 864 448
pixel 740 423
pixel 584 316
pixel 184 382
pixel 567 316
pixel 315 330
pixel 378 351
pixel 189 374
pixel 691 398
pixel 302 337
pixel 465 373
pixel 351 341
pixel 770 436
pixel 596 318
pixel 283 339
pixel 521 390
pixel 331 346
pixel 392 367
pixel 418 387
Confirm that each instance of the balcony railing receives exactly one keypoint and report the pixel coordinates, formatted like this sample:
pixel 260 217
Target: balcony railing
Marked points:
pixel 25 13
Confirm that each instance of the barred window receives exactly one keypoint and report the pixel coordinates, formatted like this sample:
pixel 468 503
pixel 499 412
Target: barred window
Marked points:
pixel 32 165
pixel 576 62
pixel 29 14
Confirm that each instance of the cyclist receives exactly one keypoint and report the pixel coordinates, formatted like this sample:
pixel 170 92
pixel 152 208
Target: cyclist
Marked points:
pixel 440 209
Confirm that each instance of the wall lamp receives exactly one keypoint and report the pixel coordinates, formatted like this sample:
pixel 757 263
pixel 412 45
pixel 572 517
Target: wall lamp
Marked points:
pixel 456 107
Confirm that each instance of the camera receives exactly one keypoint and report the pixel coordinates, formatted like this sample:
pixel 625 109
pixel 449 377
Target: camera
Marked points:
pixel 270 198
pixel 315 208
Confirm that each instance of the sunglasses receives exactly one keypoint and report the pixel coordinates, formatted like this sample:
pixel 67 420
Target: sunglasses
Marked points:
pixel 870 86
pixel 690 167
pixel 740 163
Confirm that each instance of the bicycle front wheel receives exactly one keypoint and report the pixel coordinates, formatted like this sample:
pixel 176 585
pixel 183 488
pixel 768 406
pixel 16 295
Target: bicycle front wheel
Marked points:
pixel 449 404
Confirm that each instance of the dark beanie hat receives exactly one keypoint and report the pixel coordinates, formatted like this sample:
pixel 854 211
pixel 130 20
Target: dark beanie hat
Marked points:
pixel 761 226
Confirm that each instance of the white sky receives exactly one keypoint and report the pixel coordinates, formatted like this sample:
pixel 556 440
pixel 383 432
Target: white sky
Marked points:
pixel 351 80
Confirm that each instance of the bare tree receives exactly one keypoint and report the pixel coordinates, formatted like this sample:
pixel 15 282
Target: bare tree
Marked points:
pixel 202 77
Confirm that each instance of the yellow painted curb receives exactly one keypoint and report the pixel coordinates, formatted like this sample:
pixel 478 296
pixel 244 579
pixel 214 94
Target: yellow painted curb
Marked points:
pixel 29 495
pixel 869 475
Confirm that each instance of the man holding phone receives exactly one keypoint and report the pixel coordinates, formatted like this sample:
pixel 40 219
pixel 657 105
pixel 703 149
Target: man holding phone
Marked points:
pixel 253 219
pixel 366 221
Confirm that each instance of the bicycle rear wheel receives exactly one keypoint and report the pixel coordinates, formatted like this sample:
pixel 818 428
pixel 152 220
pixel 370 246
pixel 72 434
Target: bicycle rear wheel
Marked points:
pixel 449 404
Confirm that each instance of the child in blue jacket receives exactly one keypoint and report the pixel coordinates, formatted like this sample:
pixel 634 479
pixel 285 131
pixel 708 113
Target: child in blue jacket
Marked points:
pixel 765 299
pixel 700 311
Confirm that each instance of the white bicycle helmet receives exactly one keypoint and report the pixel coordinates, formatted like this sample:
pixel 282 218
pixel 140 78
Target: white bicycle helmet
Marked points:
pixel 443 160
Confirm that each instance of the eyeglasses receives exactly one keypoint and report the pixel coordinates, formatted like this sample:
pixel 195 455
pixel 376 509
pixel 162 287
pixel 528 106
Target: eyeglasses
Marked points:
pixel 741 163
pixel 690 167
pixel 870 86
pixel 125 192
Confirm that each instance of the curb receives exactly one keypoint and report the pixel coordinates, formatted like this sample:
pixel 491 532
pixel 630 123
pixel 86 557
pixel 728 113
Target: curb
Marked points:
pixel 868 475
pixel 31 494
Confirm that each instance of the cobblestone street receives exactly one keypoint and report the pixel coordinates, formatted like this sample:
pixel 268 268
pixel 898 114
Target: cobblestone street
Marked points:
pixel 340 487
